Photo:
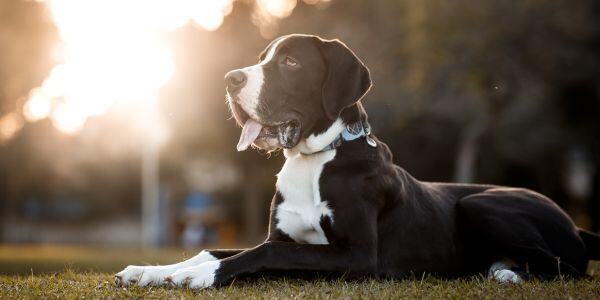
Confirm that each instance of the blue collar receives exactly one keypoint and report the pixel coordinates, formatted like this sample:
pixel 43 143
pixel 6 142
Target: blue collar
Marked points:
pixel 352 132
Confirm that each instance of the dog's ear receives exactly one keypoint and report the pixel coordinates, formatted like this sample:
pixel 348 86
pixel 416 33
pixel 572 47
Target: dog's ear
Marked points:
pixel 347 79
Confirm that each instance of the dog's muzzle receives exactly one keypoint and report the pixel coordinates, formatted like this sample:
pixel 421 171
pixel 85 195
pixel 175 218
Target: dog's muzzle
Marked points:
pixel 265 136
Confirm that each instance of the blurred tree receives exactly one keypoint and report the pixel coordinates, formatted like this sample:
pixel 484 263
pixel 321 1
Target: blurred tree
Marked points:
pixel 25 35
pixel 487 91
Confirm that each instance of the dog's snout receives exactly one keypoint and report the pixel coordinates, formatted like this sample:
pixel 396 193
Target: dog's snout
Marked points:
pixel 235 80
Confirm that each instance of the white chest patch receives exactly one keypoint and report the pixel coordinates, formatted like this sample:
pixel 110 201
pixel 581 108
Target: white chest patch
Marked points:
pixel 300 213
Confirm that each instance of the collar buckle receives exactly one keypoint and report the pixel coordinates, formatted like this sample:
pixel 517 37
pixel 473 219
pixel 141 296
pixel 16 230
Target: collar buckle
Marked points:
pixel 352 132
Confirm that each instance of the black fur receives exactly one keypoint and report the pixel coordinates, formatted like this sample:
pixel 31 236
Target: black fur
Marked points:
pixel 347 80
pixel 387 223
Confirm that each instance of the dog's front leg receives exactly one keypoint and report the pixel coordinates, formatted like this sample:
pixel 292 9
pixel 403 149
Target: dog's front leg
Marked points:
pixel 145 275
pixel 280 256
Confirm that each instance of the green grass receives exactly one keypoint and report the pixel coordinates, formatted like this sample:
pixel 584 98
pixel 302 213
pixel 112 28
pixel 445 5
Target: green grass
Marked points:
pixel 60 272
pixel 70 284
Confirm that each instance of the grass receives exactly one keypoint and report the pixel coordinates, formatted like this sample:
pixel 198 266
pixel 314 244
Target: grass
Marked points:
pixel 71 282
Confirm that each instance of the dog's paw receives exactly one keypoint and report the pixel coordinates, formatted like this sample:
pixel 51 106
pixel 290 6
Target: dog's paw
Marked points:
pixel 197 277
pixel 142 275
pixel 506 276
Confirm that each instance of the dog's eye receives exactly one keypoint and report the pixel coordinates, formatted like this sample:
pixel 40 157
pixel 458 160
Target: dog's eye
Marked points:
pixel 290 62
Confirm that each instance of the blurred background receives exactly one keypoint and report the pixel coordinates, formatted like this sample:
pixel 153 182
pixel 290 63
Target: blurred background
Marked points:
pixel 117 147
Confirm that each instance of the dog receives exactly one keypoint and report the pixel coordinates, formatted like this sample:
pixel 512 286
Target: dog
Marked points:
pixel 343 207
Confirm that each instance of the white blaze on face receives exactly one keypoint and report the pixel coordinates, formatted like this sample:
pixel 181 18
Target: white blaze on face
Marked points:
pixel 249 98
pixel 250 93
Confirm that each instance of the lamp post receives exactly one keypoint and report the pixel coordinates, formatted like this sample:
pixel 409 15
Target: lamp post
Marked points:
pixel 150 177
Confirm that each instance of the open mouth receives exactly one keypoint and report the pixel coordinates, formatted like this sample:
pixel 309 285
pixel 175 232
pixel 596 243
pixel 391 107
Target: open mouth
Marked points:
pixel 252 130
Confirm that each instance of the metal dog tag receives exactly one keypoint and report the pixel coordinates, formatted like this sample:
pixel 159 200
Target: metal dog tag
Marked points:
pixel 371 142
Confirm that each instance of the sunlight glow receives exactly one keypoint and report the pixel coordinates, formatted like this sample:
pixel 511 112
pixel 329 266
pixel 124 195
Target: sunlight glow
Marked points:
pixel 277 8
pixel 38 107
pixel 67 118
pixel 268 13
pixel 10 124
pixel 114 51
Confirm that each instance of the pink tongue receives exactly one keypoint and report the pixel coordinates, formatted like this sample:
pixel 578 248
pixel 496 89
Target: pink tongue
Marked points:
pixel 249 134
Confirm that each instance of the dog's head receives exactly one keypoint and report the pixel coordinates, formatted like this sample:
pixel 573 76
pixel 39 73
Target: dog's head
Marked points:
pixel 298 89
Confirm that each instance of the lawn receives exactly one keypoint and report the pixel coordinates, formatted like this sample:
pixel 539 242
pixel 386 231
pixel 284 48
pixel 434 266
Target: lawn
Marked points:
pixel 75 282
pixel 70 284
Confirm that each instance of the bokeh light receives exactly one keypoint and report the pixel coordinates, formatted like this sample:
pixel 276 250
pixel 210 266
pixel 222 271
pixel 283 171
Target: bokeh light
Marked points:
pixel 114 51
pixel 10 124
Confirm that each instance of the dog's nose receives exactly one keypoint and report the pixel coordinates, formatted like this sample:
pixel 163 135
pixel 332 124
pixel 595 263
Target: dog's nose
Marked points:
pixel 235 80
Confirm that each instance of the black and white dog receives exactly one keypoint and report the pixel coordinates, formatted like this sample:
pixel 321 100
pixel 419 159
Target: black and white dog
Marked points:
pixel 342 206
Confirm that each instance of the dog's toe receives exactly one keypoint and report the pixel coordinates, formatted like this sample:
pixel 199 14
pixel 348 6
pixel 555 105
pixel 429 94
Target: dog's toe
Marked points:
pixel 143 275
pixel 118 280
pixel 506 276
pixel 197 277
pixel 129 276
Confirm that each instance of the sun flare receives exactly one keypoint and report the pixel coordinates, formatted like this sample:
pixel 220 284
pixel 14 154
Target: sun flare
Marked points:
pixel 114 51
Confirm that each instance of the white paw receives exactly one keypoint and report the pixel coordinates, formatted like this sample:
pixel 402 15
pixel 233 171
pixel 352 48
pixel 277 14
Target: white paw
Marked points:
pixel 197 277
pixel 506 276
pixel 142 275
pixel 145 275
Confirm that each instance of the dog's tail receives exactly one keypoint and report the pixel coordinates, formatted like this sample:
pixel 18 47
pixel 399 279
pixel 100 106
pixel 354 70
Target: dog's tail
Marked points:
pixel 592 244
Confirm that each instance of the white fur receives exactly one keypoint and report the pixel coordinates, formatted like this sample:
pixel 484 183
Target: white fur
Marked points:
pixel 196 277
pixel 501 272
pixel 145 275
pixel 249 94
pixel 300 213
pixel 315 143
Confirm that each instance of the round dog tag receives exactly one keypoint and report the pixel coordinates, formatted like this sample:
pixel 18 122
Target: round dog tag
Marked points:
pixel 371 142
